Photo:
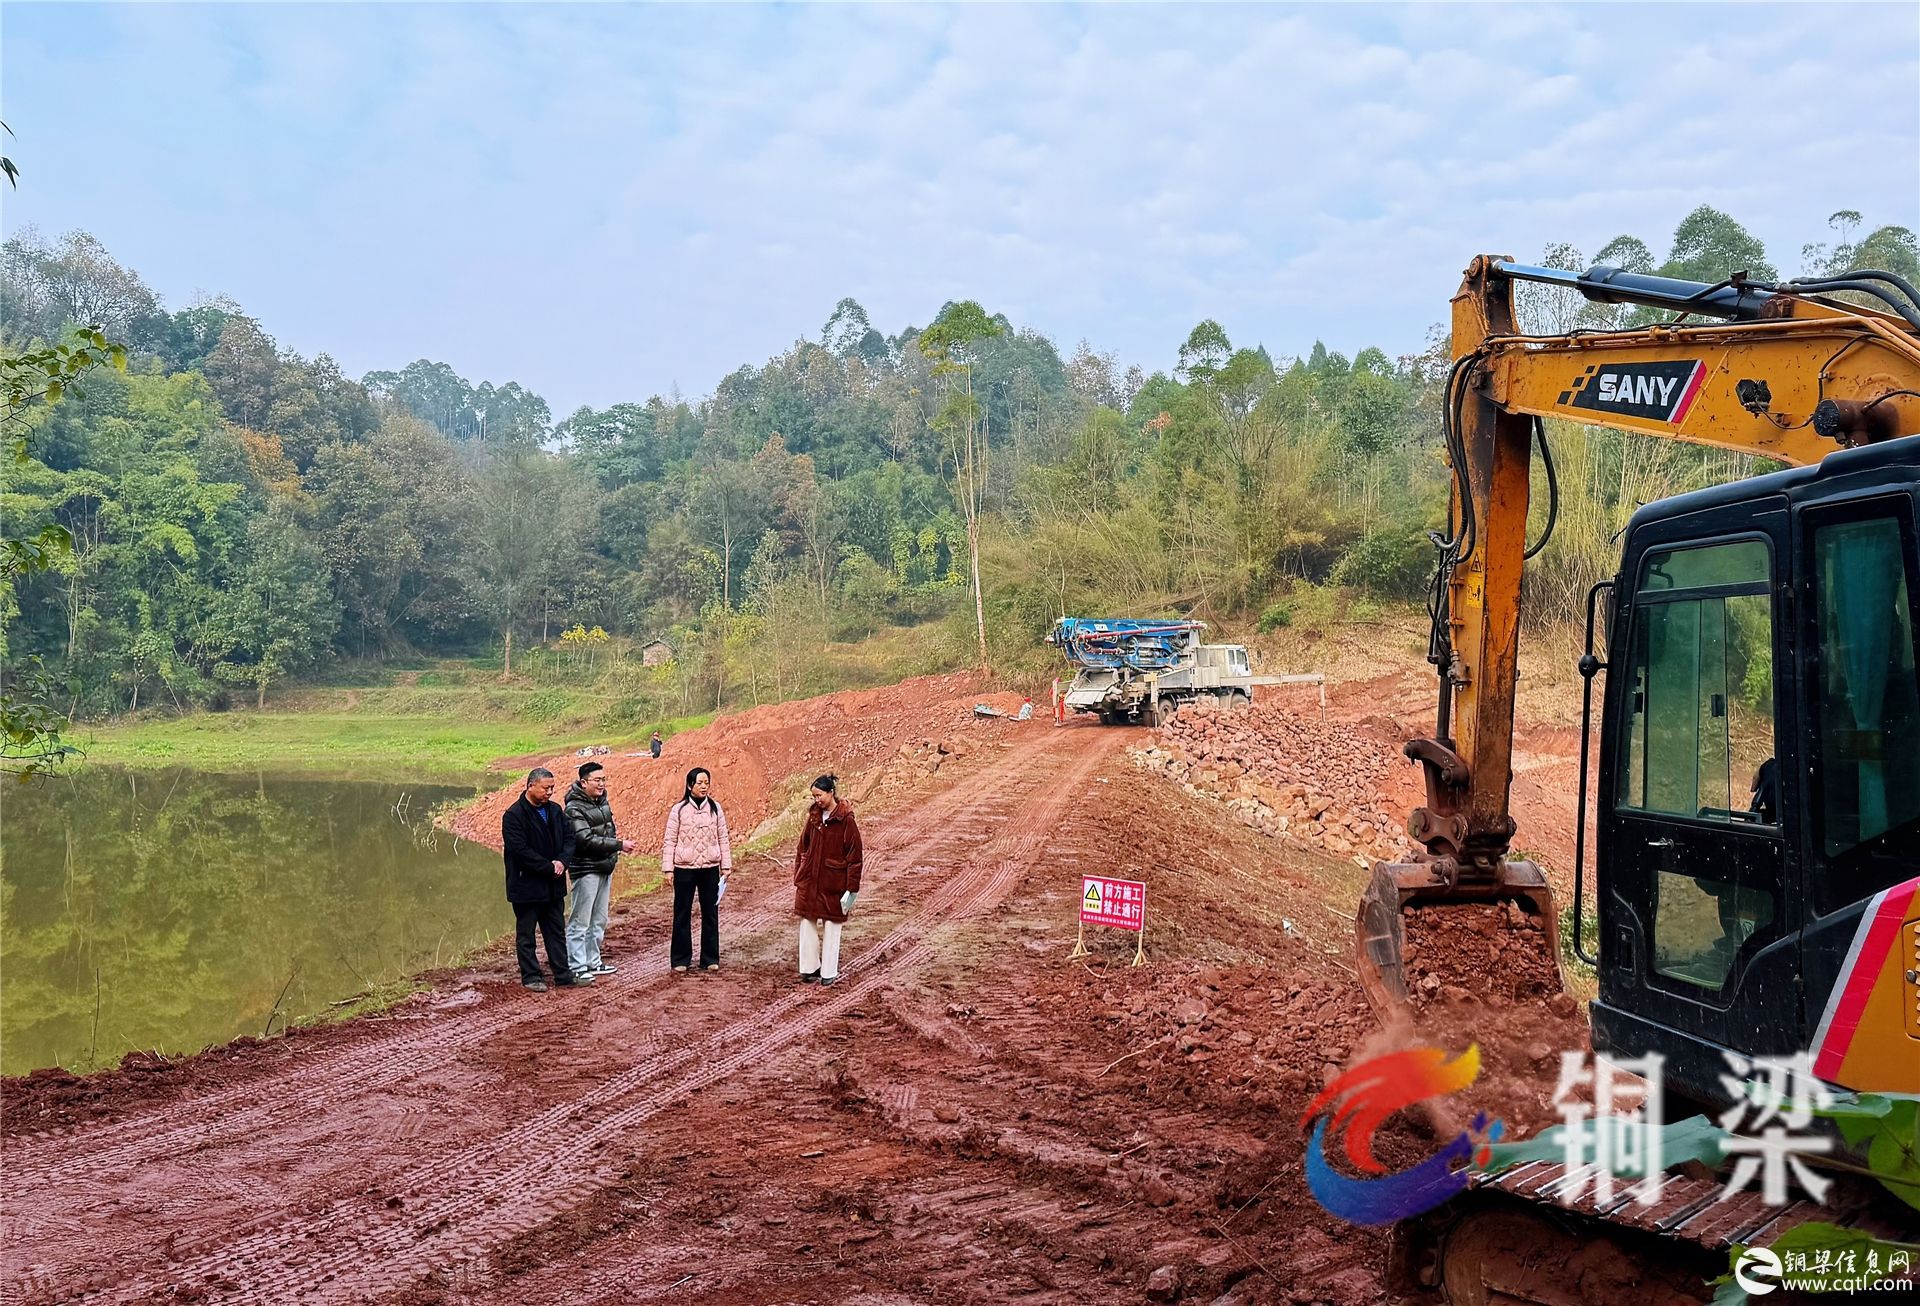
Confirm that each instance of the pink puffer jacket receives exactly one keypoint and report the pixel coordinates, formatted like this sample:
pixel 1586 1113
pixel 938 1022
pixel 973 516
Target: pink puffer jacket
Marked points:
pixel 696 836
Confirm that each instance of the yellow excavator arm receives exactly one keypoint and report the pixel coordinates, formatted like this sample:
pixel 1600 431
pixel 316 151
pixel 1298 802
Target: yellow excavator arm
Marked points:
pixel 1783 372
pixel 1800 379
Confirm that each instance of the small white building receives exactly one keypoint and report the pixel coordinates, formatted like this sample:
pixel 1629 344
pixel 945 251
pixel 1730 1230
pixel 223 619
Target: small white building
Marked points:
pixel 655 653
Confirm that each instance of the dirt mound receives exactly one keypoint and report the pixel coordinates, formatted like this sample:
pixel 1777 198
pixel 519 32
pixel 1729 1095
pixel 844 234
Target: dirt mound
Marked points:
pixel 1287 773
pixel 866 737
pixel 1481 973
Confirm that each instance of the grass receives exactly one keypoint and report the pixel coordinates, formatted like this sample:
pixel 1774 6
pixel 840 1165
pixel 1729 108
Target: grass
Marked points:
pixel 449 720
pixel 367 742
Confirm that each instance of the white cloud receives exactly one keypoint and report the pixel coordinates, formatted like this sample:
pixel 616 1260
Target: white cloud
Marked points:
pixel 686 189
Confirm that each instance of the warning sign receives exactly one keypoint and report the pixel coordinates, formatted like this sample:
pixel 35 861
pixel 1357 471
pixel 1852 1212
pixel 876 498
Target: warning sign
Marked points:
pixel 1119 903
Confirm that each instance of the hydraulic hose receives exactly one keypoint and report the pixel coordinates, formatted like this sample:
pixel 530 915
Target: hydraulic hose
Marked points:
pixel 1553 490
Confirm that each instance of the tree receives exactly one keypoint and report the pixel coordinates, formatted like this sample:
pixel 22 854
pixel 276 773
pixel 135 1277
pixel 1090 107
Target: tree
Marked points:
pixel 280 617
pixel 511 415
pixel 1094 378
pixel 1550 310
pixel 1205 352
pixel 242 370
pixel 847 328
pixel 1885 249
pixel 532 525
pixel 1710 246
pixel 31 382
pixel 75 283
pixel 618 447
pixel 397 521
pixel 953 343
pixel 730 501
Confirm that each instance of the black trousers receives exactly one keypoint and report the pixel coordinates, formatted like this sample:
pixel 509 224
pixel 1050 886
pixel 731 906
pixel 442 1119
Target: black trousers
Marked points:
pixel 550 919
pixel 687 881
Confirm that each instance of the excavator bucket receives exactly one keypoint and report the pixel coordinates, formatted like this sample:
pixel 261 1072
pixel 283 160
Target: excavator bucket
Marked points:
pixel 1397 887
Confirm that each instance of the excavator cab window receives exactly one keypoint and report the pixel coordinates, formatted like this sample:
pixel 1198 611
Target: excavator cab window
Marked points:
pixel 1864 701
pixel 1699 729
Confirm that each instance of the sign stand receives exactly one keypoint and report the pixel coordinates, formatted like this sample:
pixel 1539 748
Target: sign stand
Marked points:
pixel 1121 904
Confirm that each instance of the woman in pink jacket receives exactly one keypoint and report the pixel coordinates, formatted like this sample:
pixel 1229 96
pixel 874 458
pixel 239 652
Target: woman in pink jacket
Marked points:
pixel 696 853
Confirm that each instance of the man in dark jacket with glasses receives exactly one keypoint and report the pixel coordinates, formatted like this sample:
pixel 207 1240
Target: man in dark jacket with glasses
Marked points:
pixel 536 843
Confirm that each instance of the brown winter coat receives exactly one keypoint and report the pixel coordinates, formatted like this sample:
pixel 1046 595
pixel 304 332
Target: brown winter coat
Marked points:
pixel 827 863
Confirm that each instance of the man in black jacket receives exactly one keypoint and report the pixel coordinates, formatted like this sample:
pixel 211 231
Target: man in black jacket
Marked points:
pixel 536 843
pixel 597 846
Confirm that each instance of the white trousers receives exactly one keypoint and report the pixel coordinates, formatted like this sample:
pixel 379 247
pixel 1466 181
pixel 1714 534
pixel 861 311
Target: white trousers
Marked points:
pixel 820 948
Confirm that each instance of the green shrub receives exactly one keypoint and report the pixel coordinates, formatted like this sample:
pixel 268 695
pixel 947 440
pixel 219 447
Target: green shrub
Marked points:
pixel 1278 616
pixel 546 704
pixel 1395 562
pixel 626 712
pixel 1315 607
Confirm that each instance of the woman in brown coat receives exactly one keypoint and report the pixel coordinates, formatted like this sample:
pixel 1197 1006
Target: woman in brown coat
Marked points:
pixel 826 880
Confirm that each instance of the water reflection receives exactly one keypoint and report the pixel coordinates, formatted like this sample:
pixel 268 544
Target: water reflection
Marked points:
pixel 167 910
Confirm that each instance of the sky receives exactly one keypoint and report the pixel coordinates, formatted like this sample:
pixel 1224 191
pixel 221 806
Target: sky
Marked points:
pixel 605 202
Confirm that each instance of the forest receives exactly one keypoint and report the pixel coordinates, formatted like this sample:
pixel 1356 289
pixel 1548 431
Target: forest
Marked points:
pixel 221 516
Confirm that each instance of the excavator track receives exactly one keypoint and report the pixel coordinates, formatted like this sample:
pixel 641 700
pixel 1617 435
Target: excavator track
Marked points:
pixel 1512 1238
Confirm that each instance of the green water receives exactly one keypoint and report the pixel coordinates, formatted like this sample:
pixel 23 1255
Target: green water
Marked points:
pixel 169 910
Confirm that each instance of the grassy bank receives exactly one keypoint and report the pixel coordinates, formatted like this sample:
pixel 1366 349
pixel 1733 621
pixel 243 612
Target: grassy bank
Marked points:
pixel 448 720
pixel 449 729
pixel 381 747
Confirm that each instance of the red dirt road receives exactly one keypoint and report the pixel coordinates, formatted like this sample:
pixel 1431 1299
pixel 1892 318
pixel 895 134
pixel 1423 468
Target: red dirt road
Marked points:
pixel 968 1116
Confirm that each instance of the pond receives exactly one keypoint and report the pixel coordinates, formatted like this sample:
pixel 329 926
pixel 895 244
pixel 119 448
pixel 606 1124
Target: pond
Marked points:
pixel 169 910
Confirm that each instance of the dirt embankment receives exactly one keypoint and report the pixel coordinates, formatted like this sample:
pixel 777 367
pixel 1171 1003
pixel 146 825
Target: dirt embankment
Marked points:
pixel 1336 778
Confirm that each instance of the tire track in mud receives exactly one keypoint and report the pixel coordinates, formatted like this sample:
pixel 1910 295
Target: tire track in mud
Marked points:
pixel 33 1161
pixel 479 1196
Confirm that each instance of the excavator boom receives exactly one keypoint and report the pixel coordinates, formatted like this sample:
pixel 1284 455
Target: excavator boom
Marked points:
pixel 1783 372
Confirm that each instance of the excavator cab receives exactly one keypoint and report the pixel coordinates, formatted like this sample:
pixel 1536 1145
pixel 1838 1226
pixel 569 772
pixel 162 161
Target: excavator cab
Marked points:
pixel 1759 768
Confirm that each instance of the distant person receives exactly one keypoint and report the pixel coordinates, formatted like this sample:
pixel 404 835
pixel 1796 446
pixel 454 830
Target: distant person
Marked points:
pixel 597 846
pixel 1766 793
pixel 1026 709
pixel 826 880
pixel 695 851
pixel 536 843
pixel 656 744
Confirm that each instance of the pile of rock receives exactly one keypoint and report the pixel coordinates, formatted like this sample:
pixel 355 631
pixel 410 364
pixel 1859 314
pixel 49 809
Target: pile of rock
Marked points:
pixel 1284 774
pixel 929 755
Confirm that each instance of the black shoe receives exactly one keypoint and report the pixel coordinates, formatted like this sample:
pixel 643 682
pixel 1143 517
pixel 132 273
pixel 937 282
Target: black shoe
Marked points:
pixel 574 981
pixel 829 979
pixel 537 986
pixel 811 977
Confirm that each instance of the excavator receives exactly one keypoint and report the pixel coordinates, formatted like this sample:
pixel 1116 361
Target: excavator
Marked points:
pixel 1756 878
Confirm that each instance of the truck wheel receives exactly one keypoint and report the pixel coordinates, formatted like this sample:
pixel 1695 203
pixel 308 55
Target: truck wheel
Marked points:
pixel 1238 699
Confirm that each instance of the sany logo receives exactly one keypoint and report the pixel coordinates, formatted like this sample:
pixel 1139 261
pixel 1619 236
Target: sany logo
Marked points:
pixel 1758 1270
pixel 1637 389
pixel 1362 1099
pixel 1663 392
